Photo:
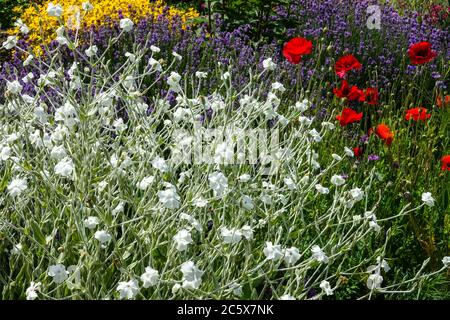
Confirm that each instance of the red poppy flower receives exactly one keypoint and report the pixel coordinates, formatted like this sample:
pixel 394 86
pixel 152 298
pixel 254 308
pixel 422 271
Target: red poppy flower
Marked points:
pixel 295 48
pixel 371 96
pixel 345 64
pixel 348 116
pixel 358 152
pixel 417 114
pixel 352 93
pixel 441 104
pixel 445 163
pixel 384 133
pixel 421 53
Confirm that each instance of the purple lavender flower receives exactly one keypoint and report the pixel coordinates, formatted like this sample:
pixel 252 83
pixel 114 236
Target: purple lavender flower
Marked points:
pixel 373 157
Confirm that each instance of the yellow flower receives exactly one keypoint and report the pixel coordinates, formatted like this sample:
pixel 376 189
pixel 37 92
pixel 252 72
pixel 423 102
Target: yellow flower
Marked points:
pixel 42 26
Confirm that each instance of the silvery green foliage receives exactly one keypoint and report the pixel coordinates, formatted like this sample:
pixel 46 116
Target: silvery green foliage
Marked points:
pixel 98 204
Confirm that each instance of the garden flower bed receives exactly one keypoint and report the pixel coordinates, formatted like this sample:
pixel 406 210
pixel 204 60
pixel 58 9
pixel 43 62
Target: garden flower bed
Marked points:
pixel 145 154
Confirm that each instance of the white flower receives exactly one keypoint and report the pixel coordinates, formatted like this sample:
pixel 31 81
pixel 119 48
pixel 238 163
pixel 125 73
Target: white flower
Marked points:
pixel 325 286
pixel 218 183
pixel 14 87
pixel 194 222
pixel 130 56
pixel 145 182
pixel 192 276
pixel 91 51
pixel 336 157
pixel 17 248
pixel 225 76
pixel 174 82
pixel 176 287
pixel 349 152
pixel 201 75
pixel 268 64
pixel 160 164
pixel 290 183
pixel 126 25
pixel 428 199
pixel 291 255
pixel 155 49
pixel 230 236
pixel 58 152
pixel 67 113
pixel 58 273
pixel 31 290
pixel 244 178
pixel 118 209
pixel 357 194
pixel 54 10
pixel 5 152
pixel 177 56
pixel 318 254
pixel 155 64
pixel 374 225
pixel 22 26
pixel 17 186
pixel 237 290
pixel 305 121
pixel 322 189
pixel 87 6
pixel 128 289
pixel 374 281
pixel 303 106
pixel 199 202
pixel 247 232
pixel 337 180
pixel 28 60
pixel 169 198
pixel 328 125
pixel 287 297
pixel 247 202
pixel 276 86
pixel 380 264
pixel 273 252
pixel 90 222
pixel 150 277
pixel 64 168
pixel 183 239
pixel 102 236
pixel 446 261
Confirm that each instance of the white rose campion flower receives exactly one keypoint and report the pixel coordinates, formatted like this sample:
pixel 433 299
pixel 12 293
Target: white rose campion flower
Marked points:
pixel 218 183
pixel 174 82
pixel 160 164
pixel 276 86
pixel 31 291
pixel 91 51
pixel 126 25
pixel 54 10
pixel 64 168
pixel 58 273
pixel 150 277
pixel 337 180
pixel 273 252
pixel 11 42
pixel 118 209
pixel 349 152
pixel 102 236
pixel 428 199
pixel 90 222
pixel 87 6
pixel 155 49
pixel 321 189
pixel 169 198
pixel 374 281
pixel 287 297
pixel 58 152
pixel 356 194
pixel 17 186
pixel 14 87
pixel 230 235
pixel 446 261
pixel 200 202
pixel 145 182
pixel 192 276
pixel 290 183
pixel 128 289
pixel 318 254
pixel 155 64
pixel 268 64
pixel 247 232
pixel 22 26
pixel 336 157
pixel 201 75
pixel 244 178
pixel 303 105
pixel 291 255
pixel 182 239
pixel 177 56
pixel 247 202
pixel 325 286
